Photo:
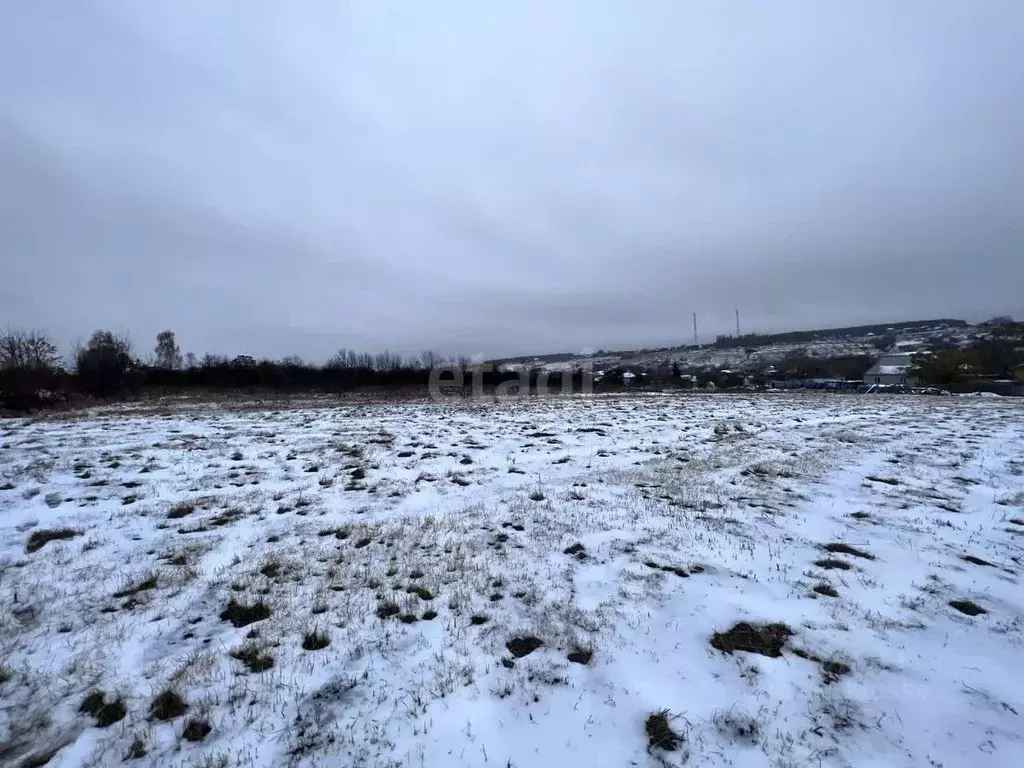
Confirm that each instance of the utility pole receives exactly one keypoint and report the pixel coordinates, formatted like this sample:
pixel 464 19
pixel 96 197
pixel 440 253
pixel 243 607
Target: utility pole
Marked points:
pixel 737 323
pixel 695 329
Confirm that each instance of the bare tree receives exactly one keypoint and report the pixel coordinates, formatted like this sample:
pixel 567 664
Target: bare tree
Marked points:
pixel 28 350
pixel 387 361
pixel 190 360
pixel 167 353
pixel 344 359
pixel 431 359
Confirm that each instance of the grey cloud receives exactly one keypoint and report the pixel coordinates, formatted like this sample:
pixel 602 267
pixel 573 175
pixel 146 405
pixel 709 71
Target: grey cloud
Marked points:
pixel 289 178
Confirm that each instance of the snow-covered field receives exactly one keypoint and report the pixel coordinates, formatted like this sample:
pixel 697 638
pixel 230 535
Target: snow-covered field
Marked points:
pixel 525 583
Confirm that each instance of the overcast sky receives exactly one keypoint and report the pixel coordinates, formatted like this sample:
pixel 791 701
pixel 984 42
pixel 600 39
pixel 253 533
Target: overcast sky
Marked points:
pixel 277 178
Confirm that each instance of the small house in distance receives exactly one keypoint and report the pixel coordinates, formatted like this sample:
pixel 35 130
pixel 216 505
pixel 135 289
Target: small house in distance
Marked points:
pixel 892 368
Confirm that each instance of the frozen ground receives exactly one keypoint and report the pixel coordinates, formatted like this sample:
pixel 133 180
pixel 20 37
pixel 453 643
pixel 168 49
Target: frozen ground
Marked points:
pixel 520 584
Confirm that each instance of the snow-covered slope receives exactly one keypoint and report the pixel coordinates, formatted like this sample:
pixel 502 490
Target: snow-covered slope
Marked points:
pixel 762 355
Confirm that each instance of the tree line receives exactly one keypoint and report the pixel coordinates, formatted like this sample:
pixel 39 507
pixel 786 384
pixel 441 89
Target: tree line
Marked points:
pixel 33 374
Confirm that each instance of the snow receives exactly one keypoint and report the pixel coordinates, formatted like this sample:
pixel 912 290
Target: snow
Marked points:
pixel 691 513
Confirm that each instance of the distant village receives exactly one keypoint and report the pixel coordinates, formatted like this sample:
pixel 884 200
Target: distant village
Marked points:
pixel 932 356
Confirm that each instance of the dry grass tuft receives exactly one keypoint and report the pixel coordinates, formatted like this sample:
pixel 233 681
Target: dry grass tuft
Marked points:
pixel 838 547
pixel 315 640
pixel 831 564
pixel 660 734
pixel 92 703
pixel 145 584
pixel 168 705
pixel 196 729
pixel 524 645
pixel 253 658
pixel 765 639
pixel 137 750
pixel 40 539
pixel 180 510
pixel 581 655
pixel 976 560
pixel 242 615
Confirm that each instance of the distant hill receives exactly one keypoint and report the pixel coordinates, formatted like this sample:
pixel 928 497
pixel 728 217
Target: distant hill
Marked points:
pixel 752 340
pixel 878 329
